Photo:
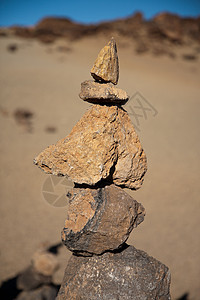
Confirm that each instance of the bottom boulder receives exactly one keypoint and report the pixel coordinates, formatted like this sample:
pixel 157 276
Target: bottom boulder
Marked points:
pixel 127 274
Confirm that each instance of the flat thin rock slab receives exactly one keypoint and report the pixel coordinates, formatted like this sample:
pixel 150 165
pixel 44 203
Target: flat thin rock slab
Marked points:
pixel 128 275
pixel 106 66
pixel 103 145
pixel 95 92
pixel 100 220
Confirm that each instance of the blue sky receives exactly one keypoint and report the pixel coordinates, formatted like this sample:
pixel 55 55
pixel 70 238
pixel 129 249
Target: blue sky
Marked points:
pixel 29 12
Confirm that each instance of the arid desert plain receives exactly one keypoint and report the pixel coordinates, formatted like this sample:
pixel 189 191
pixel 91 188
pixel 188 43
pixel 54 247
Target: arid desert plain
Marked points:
pixel 44 81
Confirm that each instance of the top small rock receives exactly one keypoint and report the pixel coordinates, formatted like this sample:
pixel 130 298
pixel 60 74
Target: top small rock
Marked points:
pixel 106 66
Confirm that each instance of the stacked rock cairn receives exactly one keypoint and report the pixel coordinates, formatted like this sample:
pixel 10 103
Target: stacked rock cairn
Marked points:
pixel 102 155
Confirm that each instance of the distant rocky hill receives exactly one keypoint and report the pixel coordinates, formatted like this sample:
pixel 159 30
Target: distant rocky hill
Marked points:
pixel 156 35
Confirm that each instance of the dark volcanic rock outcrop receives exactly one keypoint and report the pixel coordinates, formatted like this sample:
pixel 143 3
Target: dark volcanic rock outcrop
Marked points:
pixel 160 33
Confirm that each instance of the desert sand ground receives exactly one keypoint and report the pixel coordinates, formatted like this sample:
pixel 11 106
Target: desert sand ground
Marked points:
pixel 45 79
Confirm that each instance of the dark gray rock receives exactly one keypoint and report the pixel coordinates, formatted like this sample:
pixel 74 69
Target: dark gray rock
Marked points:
pixel 43 293
pixel 100 219
pixel 128 275
pixel 31 279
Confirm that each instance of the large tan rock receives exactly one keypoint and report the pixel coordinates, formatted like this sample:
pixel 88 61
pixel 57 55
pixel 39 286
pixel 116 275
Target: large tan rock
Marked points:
pixel 102 145
pixel 106 66
pixel 96 92
pixel 100 219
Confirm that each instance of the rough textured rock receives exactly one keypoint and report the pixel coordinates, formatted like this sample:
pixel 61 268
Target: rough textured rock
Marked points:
pixel 45 263
pixel 102 145
pixel 45 292
pixel 130 274
pixel 31 279
pixel 96 92
pixel 100 219
pixel 106 66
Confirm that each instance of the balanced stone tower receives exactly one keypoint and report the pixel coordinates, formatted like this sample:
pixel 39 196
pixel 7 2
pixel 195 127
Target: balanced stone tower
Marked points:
pixel 102 155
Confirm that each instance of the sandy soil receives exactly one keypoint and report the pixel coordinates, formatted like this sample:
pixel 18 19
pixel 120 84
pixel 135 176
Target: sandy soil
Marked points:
pixel 46 81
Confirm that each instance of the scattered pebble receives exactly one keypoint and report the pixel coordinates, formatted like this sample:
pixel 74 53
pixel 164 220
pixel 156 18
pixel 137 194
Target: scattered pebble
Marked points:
pixel 189 57
pixel 50 129
pixel 12 47
pixel 141 48
pixel 64 49
pixel 23 117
